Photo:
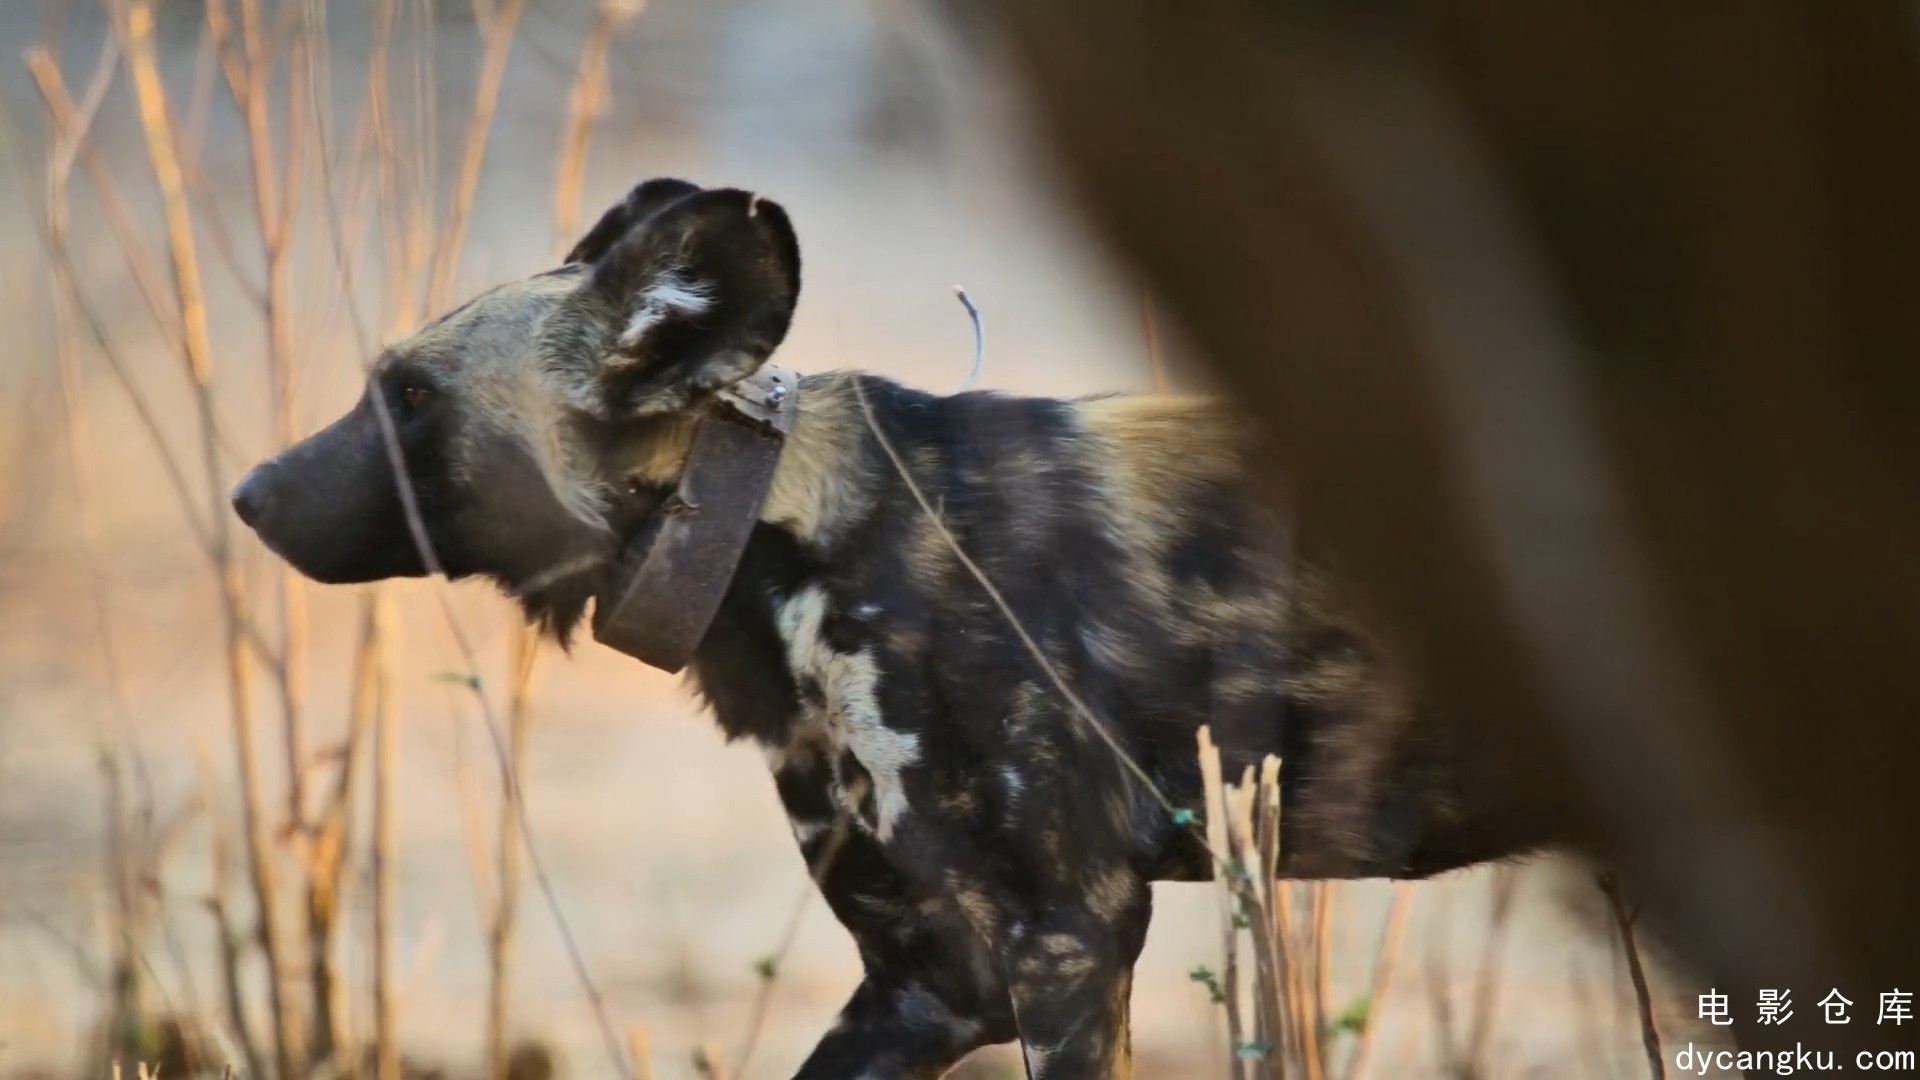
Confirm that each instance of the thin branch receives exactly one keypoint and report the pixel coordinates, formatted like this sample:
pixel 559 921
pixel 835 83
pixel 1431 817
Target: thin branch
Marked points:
pixel 134 22
pixel 775 964
pixel 416 526
pixel 498 33
pixel 506 907
pixel 229 939
pixel 585 101
pixel 385 835
pixel 1642 995
pixel 1216 818
pixel 1492 961
pixel 1384 963
pixel 70 123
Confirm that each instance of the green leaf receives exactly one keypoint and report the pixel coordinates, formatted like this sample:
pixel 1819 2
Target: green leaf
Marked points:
pixel 1204 975
pixel 1354 1018
pixel 1253 1050
pixel 468 679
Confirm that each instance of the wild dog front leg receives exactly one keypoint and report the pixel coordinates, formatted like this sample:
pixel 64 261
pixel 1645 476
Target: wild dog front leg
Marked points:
pixel 895 1027
pixel 1071 976
pixel 931 992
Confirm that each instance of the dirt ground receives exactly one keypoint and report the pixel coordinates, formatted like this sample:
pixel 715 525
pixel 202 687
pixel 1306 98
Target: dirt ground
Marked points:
pixel 906 173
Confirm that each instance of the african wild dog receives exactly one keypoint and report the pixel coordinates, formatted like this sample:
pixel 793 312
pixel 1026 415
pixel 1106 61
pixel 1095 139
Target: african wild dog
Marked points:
pixel 995 873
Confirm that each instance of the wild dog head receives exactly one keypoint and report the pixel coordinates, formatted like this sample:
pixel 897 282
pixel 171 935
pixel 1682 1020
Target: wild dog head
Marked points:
pixel 538 423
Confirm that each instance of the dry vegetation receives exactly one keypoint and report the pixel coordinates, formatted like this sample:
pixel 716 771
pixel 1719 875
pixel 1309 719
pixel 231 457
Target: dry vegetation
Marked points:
pixel 299 822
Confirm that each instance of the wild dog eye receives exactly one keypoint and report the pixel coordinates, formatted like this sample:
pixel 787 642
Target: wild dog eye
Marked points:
pixel 413 396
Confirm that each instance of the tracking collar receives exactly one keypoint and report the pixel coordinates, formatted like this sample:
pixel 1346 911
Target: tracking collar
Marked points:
pixel 668 583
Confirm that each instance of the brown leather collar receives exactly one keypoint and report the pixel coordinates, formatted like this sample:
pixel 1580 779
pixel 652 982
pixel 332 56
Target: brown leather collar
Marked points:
pixel 673 573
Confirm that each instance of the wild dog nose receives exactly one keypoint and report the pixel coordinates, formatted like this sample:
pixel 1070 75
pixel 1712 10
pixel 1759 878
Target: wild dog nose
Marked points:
pixel 250 496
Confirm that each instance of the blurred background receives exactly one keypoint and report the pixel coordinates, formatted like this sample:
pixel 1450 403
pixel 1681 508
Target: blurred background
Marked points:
pixel 327 175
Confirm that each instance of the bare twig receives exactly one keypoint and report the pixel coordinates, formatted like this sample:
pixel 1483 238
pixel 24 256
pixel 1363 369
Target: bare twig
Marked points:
pixel 134 22
pixel 1492 965
pixel 1217 838
pixel 70 123
pixel 1642 995
pixel 327 852
pixel 416 526
pixel 1384 963
pixel 707 1063
pixel 229 939
pixel 386 740
pixel 275 187
pixel 125 1009
pixel 498 35
pixel 1319 985
pixel 776 962
pixel 504 920
pixel 584 102
pixel 642 1053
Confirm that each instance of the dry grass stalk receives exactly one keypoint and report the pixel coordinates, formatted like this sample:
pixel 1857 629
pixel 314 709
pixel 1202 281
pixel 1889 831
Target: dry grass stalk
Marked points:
pixel 707 1063
pixel 70 122
pixel 1384 964
pixel 497 33
pixel 1267 930
pixel 506 905
pixel 249 69
pixel 1318 978
pixel 1642 995
pixel 326 854
pixel 640 1049
pixel 1264 1053
pixel 125 1008
pixel 407 250
pixel 1492 965
pixel 585 101
pixel 1216 815
pixel 385 832
pixel 230 942
pixel 772 966
pixel 134 22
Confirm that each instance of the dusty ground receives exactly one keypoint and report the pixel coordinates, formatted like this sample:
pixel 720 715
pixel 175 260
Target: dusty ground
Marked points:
pixel 672 862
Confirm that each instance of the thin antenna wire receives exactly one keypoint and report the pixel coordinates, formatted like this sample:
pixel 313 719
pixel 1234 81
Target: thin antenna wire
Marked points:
pixel 979 337
pixel 1075 703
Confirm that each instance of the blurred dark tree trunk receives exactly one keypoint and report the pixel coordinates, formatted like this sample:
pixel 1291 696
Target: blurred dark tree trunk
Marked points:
pixel 1586 340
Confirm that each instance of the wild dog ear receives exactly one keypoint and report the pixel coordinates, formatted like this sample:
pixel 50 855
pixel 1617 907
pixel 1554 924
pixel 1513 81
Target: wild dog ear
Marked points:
pixel 701 292
pixel 645 200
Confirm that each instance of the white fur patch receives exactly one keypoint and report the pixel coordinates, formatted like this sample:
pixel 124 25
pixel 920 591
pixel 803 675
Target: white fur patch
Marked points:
pixel 670 296
pixel 1014 785
pixel 850 682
